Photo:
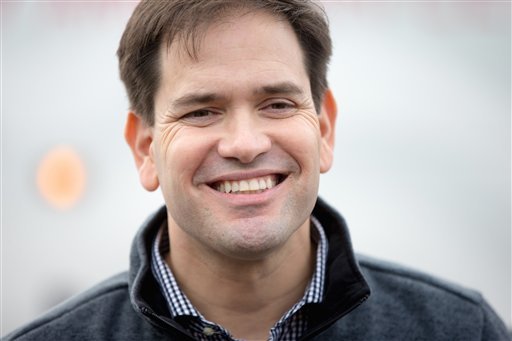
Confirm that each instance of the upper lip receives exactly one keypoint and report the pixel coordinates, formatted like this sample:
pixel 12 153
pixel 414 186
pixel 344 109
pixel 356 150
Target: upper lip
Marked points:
pixel 245 175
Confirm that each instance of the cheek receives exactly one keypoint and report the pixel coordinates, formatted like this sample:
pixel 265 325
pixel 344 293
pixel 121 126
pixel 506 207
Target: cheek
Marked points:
pixel 181 155
pixel 300 137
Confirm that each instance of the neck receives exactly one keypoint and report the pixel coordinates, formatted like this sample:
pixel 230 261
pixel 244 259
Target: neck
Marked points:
pixel 245 297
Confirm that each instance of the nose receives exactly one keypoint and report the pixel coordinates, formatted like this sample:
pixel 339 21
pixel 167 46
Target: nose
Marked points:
pixel 244 138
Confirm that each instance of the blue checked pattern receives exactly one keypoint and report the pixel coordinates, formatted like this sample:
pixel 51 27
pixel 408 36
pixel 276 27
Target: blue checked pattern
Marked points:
pixel 289 328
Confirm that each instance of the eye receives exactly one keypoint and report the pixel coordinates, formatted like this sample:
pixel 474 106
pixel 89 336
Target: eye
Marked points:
pixel 200 117
pixel 198 114
pixel 279 107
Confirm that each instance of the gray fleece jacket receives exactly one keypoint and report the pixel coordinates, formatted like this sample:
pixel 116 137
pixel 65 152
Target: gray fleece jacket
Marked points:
pixel 403 305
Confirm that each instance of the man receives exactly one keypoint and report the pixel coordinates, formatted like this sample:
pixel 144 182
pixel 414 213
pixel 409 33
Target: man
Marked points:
pixel 232 118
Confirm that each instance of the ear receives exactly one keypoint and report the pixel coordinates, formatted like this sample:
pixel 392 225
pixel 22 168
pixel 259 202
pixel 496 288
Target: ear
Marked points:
pixel 139 137
pixel 327 121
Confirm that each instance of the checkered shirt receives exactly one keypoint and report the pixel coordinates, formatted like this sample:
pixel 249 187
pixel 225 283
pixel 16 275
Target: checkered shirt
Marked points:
pixel 289 328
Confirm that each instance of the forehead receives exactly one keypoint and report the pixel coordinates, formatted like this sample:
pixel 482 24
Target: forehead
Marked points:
pixel 238 49
pixel 191 39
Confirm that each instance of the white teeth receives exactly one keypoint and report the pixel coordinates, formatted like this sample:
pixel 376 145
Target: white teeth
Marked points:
pixel 234 186
pixel 244 186
pixel 248 185
pixel 263 184
pixel 254 185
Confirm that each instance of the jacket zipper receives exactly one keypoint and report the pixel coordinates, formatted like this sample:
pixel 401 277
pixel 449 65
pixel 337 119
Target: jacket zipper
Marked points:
pixel 152 316
pixel 331 321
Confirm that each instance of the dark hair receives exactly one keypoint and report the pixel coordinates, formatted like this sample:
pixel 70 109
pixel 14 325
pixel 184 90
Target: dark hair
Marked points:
pixel 156 21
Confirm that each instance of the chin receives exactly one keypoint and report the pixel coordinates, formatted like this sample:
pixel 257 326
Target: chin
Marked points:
pixel 253 243
pixel 251 253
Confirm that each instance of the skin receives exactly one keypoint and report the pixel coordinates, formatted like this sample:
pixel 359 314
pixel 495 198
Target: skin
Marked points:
pixel 242 109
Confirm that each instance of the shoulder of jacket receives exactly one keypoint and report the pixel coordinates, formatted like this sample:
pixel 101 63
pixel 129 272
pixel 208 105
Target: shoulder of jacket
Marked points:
pixel 417 279
pixel 112 286
pixel 407 304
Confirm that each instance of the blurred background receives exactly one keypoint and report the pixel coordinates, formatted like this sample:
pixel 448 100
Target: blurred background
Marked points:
pixel 422 164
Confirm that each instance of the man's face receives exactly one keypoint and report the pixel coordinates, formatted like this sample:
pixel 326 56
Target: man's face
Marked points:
pixel 237 146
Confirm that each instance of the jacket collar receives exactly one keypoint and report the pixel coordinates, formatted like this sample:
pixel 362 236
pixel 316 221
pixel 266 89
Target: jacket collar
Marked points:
pixel 345 287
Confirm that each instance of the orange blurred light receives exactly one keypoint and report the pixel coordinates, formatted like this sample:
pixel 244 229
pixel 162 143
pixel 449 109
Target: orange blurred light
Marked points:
pixel 61 177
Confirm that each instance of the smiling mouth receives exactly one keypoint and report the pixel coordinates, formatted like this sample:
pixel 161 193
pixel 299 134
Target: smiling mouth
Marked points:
pixel 248 186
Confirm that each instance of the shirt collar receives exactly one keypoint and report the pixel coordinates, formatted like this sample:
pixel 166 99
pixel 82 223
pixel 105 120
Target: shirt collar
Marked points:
pixel 180 305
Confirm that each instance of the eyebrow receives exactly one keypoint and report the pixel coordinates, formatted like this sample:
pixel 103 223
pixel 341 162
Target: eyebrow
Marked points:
pixel 195 98
pixel 284 88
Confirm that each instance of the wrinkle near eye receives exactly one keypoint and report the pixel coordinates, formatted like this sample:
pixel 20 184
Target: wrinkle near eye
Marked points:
pixel 167 133
pixel 310 117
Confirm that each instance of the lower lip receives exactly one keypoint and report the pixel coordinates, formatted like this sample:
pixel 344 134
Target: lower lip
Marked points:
pixel 252 199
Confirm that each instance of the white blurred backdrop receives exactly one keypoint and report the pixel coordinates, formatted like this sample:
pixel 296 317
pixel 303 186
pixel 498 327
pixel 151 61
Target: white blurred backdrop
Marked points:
pixel 422 164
